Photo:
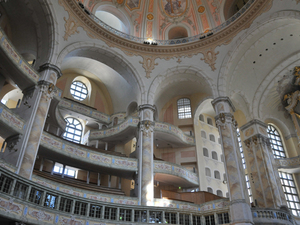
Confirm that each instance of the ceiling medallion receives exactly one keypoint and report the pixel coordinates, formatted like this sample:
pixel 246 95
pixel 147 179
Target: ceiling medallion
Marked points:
pixel 150 16
pixel 174 10
pixel 201 9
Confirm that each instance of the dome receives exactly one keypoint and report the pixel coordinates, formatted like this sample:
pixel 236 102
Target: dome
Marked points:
pixel 164 19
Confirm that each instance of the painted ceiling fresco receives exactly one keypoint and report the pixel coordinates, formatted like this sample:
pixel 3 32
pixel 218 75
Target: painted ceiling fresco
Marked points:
pixel 154 18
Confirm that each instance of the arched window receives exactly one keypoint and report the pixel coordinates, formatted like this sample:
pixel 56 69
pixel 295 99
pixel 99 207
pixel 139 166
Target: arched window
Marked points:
pixel 78 90
pixel 217 175
pixel 212 138
pixel 205 152
pixel 276 142
pixel 201 118
pixel 220 193
pixel 287 180
pixel 214 155
pixel 210 190
pixel 73 130
pixel 241 148
pixel 203 134
pixel 184 108
pixel 207 172
pixel 209 121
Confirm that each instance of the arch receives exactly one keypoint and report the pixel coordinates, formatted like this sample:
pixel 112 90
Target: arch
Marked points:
pixel 177 32
pixel 254 30
pixel 12 98
pixel 116 12
pixel 132 108
pixel 219 193
pixel 212 138
pixel 172 76
pixel 217 175
pixel 214 155
pixel 203 134
pixel 112 59
pixel 80 88
pixel 207 172
pixel 205 152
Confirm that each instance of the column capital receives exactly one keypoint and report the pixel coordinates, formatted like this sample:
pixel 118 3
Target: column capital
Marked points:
pixel 253 128
pixel 223 104
pixel 225 118
pixel 49 66
pixel 147 106
pixel 147 126
pixel 47 88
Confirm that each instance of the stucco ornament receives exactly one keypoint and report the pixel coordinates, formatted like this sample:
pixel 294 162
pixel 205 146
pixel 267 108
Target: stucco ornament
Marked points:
pixel 210 57
pixel 147 127
pixel 148 64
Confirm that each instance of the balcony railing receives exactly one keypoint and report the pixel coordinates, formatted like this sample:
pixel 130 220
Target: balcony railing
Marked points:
pixel 24 200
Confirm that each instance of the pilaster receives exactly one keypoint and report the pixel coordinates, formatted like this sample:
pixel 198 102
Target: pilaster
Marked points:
pixel 239 200
pixel 145 154
pixel 266 187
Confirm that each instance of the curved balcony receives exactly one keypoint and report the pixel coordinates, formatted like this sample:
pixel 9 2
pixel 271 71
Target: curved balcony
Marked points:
pixel 124 131
pixel 175 174
pixel 66 104
pixel 11 124
pixel 60 150
pixel 13 66
pixel 290 164
pixel 170 133
pixel 33 206
pixel 271 216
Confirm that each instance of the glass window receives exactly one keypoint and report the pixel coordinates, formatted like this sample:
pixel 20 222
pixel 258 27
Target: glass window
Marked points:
pixel 78 90
pixel 125 215
pixel 203 134
pixel 210 190
pixel 95 211
pixel 73 130
pixel 287 180
pixel 276 142
pixel 65 205
pixel 223 218
pixel 210 220
pixel 184 108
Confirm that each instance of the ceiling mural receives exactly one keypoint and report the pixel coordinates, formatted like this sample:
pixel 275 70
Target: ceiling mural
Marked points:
pixel 154 18
pixel 174 8
pixel 133 4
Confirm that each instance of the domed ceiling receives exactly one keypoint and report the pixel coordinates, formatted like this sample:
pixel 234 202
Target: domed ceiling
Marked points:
pixel 167 19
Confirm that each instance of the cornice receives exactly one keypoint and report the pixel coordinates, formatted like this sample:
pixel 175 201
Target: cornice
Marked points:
pixel 151 52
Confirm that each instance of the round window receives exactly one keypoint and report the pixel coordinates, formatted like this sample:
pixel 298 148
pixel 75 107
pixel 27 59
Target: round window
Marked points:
pixel 78 90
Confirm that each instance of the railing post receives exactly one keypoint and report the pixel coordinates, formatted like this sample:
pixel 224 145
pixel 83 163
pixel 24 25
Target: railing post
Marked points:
pixel 102 212
pixel 118 214
pixel 11 191
pixel 132 215
pixel 58 202
pixel 99 179
pixel 88 177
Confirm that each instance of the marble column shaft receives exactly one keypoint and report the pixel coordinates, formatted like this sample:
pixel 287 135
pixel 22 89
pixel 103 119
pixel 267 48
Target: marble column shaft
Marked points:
pixel 49 74
pixel 266 187
pixel 239 205
pixel 146 154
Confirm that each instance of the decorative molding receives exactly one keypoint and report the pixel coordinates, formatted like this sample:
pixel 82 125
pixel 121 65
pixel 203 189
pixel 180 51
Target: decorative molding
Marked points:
pixel 147 127
pixel 148 52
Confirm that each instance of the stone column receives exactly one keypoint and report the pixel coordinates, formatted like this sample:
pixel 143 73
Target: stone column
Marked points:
pixel 265 185
pixel 145 154
pixel 45 91
pixel 239 201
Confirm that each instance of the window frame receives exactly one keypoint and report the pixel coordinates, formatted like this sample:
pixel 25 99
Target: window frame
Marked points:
pixel 72 126
pixel 81 94
pixel 185 107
